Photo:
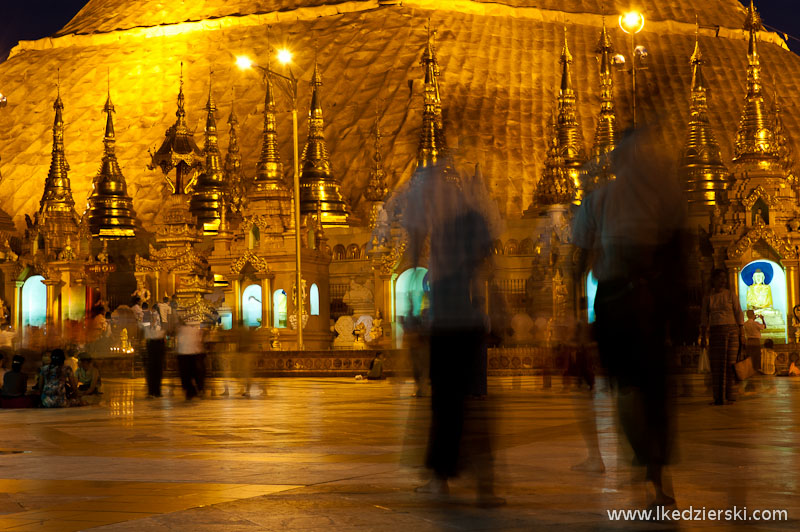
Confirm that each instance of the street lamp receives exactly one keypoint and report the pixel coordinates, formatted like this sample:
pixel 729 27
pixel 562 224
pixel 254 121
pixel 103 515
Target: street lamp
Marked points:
pixel 288 85
pixel 632 23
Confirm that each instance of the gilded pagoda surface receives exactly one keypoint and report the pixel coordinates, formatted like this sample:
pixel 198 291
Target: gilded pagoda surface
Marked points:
pixel 499 74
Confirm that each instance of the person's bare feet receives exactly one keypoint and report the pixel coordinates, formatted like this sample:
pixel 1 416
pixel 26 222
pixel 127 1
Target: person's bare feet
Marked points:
pixel 590 465
pixel 436 486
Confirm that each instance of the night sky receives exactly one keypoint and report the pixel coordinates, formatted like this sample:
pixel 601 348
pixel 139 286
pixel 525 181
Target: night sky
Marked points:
pixel 34 19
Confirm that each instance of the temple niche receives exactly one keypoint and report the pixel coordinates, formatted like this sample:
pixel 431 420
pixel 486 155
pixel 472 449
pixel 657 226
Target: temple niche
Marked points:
pixel 762 289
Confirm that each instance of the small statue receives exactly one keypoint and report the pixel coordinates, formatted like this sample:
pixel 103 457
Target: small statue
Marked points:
pixel 67 253
pixel 102 257
pixel 124 344
pixel 716 221
pixel 377 327
pixel 360 331
pixel 275 342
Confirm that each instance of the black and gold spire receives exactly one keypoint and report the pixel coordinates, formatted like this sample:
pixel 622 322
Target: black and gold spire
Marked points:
pixel 110 212
pixel 237 188
pixel 376 187
pixel 207 196
pixel 317 182
pixel 701 168
pixel 178 151
pixel 755 139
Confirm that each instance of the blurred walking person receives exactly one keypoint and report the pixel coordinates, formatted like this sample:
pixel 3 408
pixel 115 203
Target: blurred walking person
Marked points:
pixel 454 216
pixel 154 349
pixel 189 348
pixel 722 324
pixel 631 233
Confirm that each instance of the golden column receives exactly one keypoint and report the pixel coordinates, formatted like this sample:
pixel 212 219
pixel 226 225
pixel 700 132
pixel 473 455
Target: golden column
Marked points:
pixel 237 302
pixel 53 318
pixel 18 305
pixel 793 296
pixel 266 299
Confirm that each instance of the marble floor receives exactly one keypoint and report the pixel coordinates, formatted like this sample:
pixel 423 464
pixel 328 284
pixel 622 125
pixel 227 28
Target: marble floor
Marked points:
pixel 338 454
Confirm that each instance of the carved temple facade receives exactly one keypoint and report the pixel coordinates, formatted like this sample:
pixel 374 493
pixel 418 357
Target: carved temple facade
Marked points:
pixel 214 226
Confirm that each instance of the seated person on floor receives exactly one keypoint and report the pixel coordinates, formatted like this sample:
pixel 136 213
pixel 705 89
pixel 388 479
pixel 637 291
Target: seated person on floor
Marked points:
pixel 794 366
pixel 88 376
pixel 59 387
pixel 376 368
pixel 15 382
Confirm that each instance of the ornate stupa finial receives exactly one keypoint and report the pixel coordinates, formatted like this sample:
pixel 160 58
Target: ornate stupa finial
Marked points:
pixel 755 138
pixel 269 170
pixel 206 201
pixel 605 134
pixel 701 168
pixel 561 180
pixel 554 187
pixel 178 150
pixel 432 144
pixel 317 182
pixel 376 187
pixel 110 211
pixel 57 196
pixel 233 164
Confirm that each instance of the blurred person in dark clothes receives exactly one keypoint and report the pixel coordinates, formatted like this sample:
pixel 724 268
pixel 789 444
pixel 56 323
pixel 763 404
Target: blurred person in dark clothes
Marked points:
pixel 631 233
pixel 454 216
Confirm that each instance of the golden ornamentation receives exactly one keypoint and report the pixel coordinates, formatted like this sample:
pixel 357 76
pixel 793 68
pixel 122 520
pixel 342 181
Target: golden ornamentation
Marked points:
pixel 701 167
pixel 759 192
pixel 209 189
pixel 376 187
pixel 110 213
pixel 178 151
pixel 67 253
pixel 57 196
pixel 200 310
pixel 317 182
pixel 233 168
pixel 755 139
pixel 561 180
pixel 605 134
pixel 760 231
pixel 259 264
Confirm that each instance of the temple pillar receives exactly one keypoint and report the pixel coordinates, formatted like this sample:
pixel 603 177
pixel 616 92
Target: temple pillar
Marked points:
pixel 17 309
pixel 53 313
pixel 236 308
pixel 792 295
pixel 266 300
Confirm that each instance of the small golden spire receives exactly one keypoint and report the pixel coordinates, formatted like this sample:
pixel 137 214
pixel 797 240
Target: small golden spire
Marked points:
pixel 207 196
pixel 432 144
pixel 755 139
pixel 233 165
pixel 561 180
pixel 701 168
pixel 376 187
pixel 605 134
pixel 178 150
pixel 783 143
pixel 57 196
pixel 269 168
pixel 110 210
pixel 317 182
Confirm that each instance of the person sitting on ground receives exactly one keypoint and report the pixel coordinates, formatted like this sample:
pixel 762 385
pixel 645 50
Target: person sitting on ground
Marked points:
pixel 58 382
pixel 37 386
pixel 72 362
pixel 15 382
pixel 794 370
pixel 768 356
pixel 88 376
pixel 376 368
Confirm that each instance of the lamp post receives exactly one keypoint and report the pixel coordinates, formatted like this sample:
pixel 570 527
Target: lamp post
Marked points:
pixel 632 23
pixel 288 85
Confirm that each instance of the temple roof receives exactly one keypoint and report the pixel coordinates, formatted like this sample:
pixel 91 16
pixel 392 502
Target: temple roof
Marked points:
pixel 499 78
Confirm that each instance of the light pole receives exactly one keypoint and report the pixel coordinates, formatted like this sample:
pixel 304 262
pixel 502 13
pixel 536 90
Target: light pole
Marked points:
pixel 632 23
pixel 288 85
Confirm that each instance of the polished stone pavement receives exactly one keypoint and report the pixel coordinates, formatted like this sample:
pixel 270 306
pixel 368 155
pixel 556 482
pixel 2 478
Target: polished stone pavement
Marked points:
pixel 337 454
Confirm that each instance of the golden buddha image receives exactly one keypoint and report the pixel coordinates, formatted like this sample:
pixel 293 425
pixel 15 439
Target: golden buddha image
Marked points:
pixel 759 295
pixel 760 299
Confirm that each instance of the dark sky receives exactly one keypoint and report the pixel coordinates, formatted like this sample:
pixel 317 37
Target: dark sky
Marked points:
pixel 33 19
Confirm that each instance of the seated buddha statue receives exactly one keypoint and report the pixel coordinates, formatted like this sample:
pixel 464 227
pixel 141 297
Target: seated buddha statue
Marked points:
pixel 759 299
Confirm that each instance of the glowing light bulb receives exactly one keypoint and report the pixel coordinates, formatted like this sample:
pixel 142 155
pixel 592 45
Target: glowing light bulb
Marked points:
pixel 284 56
pixel 631 22
pixel 243 62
